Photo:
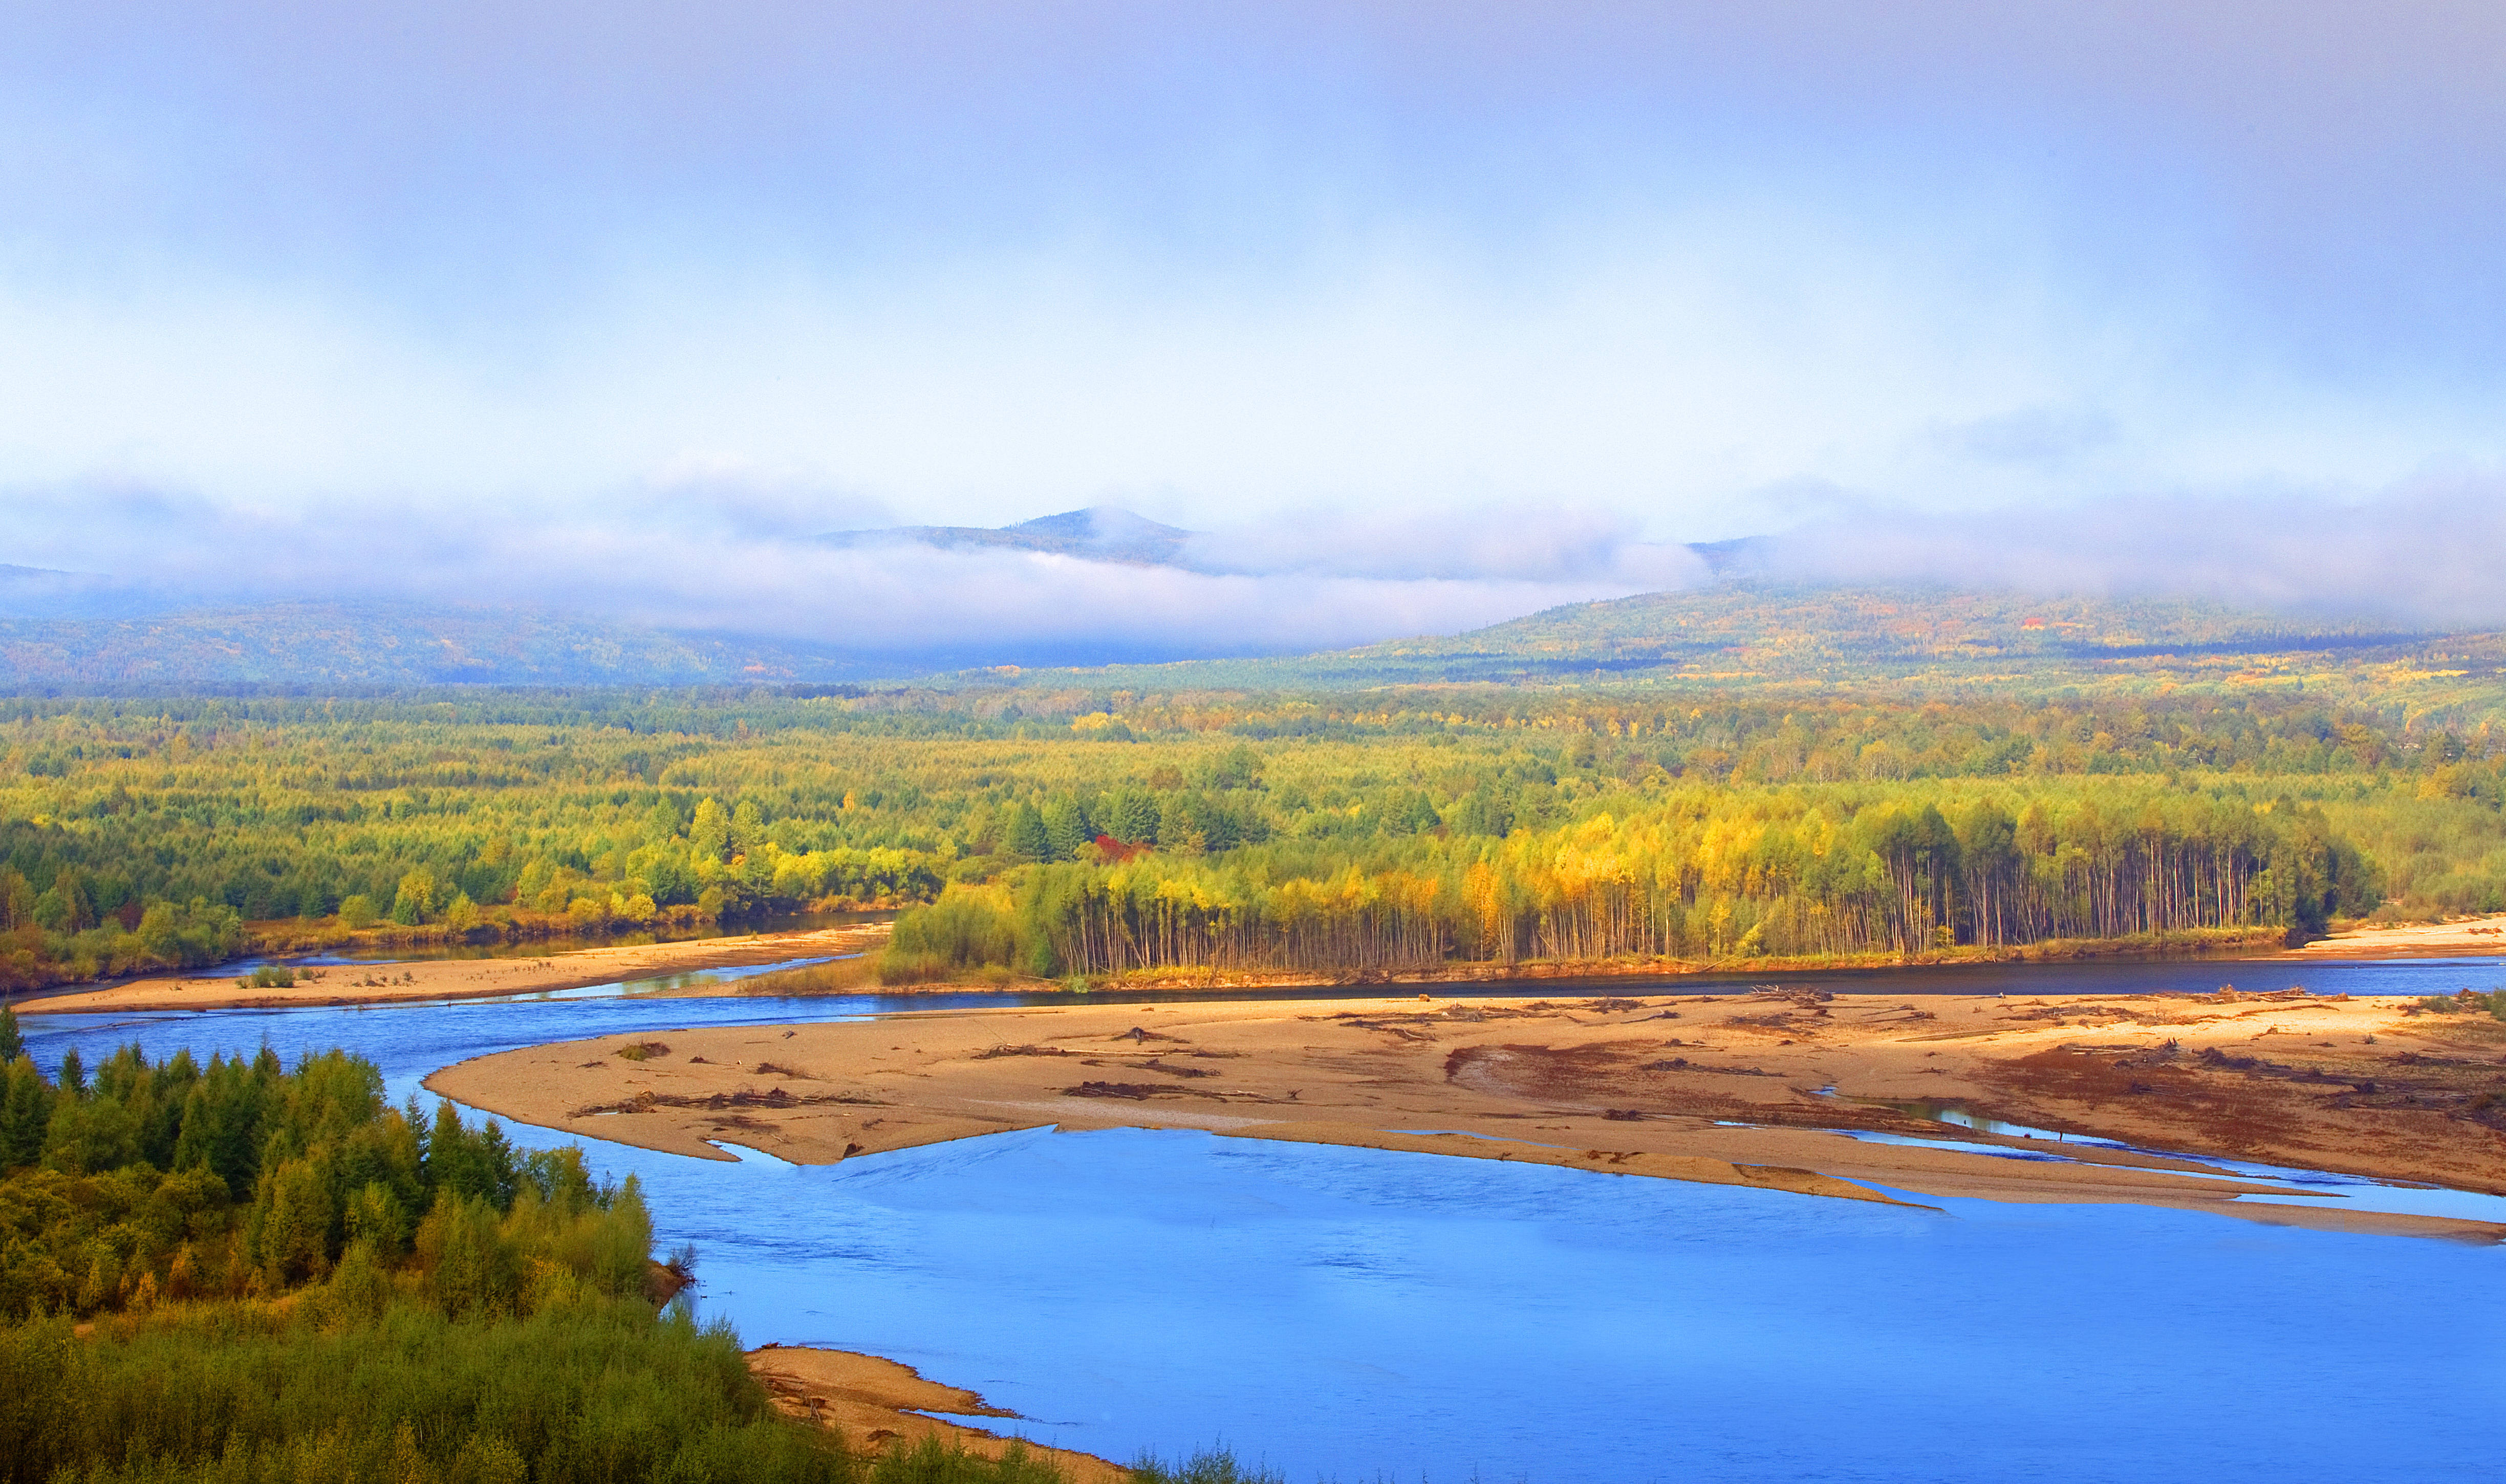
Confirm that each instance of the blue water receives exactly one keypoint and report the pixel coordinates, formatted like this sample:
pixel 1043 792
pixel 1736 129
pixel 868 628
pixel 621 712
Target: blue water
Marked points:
pixel 2296 1187
pixel 1350 1310
pixel 1354 1314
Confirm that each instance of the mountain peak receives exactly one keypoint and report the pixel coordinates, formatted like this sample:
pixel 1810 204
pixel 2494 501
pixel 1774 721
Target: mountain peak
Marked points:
pixel 1100 533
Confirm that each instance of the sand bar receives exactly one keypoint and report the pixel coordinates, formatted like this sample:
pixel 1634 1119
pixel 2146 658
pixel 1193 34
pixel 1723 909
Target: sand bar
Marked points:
pixel 1745 1090
pixel 877 1404
pixel 464 978
pixel 461 978
pixel 2470 938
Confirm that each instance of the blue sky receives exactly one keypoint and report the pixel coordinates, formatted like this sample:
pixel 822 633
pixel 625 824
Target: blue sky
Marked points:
pixel 668 281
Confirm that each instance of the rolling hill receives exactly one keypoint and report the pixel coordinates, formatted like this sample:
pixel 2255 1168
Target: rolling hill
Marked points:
pixel 1770 637
pixel 74 632
pixel 295 646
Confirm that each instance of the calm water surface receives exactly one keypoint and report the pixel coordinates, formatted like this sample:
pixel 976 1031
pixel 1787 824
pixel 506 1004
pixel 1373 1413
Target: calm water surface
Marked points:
pixel 563 943
pixel 1358 1314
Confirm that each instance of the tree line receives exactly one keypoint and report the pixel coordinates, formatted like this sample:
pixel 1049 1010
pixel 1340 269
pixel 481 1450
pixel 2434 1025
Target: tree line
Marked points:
pixel 249 1273
pixel 139 1184
pixel 1697 875
pixel 137 835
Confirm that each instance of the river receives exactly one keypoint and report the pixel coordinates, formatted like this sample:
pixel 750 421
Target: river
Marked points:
pixel 1355 1314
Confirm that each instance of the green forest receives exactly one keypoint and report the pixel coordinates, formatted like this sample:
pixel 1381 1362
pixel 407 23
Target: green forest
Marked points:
pixel 285 1278
pixel 1060 830
pixel 241 1272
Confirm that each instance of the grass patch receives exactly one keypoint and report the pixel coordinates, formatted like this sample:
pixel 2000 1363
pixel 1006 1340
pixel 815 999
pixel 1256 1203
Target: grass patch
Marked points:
pixel 2466 1001
pixel 1210 1465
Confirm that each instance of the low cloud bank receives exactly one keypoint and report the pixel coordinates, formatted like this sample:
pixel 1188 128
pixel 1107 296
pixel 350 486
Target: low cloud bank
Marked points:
pixel 2427 553
pixel 1575 547
pixel 691 559
pixel 731 557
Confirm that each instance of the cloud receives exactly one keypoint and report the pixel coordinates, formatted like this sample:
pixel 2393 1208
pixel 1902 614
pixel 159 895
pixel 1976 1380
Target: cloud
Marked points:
pixel 2038 436
pixel 719 548
pixel 1527 543
pixel 730 494
pixel 972 261
pixel 2421 552
pixel 702 559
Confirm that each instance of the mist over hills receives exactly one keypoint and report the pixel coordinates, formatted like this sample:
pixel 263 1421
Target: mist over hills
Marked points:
pixel 381 645
pixel 385 645
pixel 76 632
pixel 1091 587
pixel 1100 533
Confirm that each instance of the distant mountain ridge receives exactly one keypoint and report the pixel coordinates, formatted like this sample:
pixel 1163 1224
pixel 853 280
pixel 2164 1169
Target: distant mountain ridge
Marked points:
pixel 1773 638
pixel 48 591
pixel 377 644
pixel 1101 533
pixel 87 632
pixel 1108 533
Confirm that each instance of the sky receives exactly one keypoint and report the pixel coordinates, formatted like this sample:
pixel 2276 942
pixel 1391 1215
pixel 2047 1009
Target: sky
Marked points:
pixel 1426 312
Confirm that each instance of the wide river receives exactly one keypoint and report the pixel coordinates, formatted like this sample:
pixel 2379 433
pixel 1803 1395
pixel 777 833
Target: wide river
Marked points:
pixel 1359 1315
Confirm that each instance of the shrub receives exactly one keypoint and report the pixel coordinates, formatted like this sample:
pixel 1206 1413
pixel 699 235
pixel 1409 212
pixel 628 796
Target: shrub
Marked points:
pixel 1210 1465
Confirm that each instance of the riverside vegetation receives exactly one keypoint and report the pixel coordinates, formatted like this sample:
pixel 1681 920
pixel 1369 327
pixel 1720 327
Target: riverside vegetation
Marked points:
pixel 1073 831
pixel 243 1273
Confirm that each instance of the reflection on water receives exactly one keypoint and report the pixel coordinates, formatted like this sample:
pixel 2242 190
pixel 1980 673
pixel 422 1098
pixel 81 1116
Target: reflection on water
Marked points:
pixel 1959 1118
pixel 1345 1312
pixel 694 978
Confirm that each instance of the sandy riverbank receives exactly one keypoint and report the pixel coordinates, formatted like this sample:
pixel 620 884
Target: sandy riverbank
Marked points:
pixel 2471 938
pixel 878 1405
pixel 1724 1088
pixel 463 978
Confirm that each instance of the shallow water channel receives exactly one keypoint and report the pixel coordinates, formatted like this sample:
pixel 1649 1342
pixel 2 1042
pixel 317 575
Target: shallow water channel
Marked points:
pixel 1357 1314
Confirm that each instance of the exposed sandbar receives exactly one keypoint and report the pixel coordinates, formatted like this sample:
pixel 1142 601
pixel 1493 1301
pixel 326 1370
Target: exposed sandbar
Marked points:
pixel 877 1404
pixel 2467 938
pixel 461 978
pixel 1728 1089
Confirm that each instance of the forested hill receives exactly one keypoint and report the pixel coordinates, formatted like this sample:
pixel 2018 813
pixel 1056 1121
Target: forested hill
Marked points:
pixel 1771 638
pixel 328 646
pixel 1734 636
